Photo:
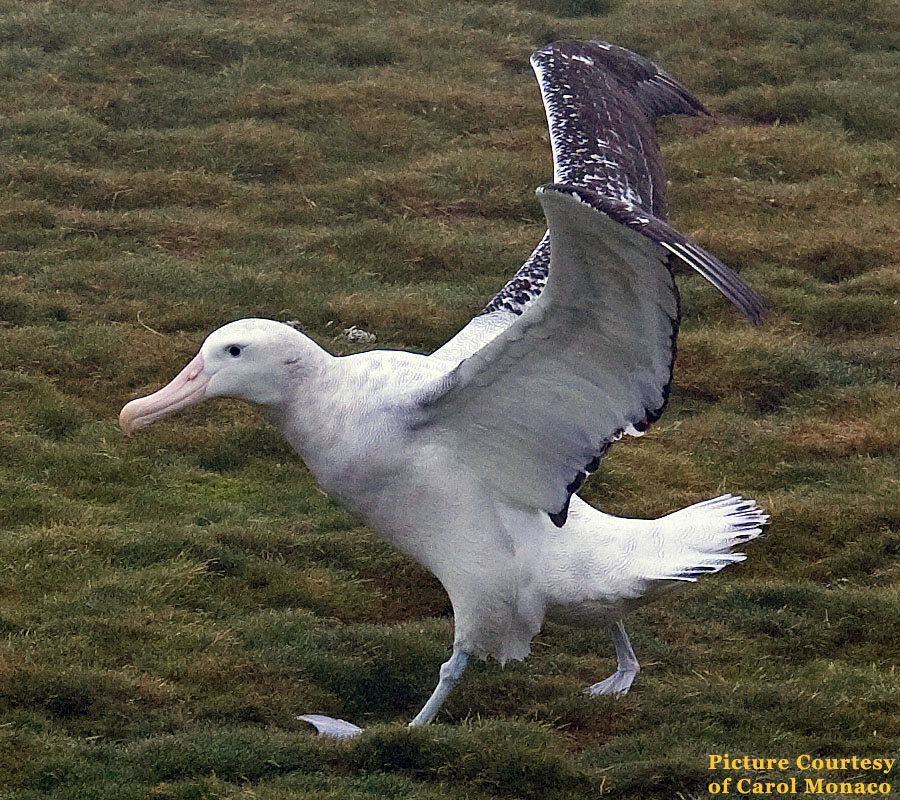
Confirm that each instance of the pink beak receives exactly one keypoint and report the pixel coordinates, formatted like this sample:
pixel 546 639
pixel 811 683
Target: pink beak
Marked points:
pixel 188 387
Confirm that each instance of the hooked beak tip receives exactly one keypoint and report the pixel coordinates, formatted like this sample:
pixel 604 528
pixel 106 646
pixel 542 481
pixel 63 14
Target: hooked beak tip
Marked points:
pixel 187 388
pixel 128 421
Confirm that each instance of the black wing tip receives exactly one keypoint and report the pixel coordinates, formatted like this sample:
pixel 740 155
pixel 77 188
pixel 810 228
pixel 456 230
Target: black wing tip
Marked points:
pixel 657 92
pixel 729 283
pixel 757 315
pixel 560 517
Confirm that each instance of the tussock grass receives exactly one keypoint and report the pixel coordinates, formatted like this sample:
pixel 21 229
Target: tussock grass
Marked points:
pixel 170 603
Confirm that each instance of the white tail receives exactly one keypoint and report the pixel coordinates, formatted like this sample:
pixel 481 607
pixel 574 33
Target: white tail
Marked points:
pixel 614 562
pixel 698 539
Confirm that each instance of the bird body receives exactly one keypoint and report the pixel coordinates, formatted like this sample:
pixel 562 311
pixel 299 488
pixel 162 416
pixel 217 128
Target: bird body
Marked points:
pixel 356 421
pixel 469 460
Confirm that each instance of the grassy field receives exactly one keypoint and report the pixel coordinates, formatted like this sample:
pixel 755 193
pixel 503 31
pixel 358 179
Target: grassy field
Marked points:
pixel 169 603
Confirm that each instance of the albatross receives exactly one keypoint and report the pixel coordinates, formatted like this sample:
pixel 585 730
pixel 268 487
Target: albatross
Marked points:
pixel 469 459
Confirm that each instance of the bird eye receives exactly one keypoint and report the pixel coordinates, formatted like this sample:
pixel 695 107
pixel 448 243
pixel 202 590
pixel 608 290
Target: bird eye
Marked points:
pixel 234 351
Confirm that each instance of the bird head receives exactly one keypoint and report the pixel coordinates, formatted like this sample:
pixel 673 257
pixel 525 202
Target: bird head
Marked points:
pixel 251 359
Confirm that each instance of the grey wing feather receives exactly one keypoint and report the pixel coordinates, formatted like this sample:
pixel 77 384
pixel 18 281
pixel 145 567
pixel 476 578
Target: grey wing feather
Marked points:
pixel 544 383
pixel 532 411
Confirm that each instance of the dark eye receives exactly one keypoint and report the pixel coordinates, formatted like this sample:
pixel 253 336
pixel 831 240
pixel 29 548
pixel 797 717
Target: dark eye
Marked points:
pixel 233 350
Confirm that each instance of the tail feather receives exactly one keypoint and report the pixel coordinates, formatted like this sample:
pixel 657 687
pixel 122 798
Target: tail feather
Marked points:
pixel 701 536
pixel 605 565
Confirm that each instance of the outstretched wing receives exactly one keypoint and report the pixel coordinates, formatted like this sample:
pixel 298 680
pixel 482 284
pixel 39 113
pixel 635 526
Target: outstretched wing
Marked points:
pixel 601 103
pixel 533 410
pixel 578 348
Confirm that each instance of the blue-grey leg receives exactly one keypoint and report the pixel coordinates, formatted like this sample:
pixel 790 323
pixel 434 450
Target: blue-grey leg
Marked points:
pixel 620 681
pixel 449 675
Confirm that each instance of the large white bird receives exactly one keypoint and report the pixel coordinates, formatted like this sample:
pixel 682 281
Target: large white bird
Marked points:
pixel 468 460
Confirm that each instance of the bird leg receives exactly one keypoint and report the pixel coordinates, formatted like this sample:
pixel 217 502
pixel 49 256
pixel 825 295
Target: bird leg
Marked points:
pixel 449 675
pixel 620 681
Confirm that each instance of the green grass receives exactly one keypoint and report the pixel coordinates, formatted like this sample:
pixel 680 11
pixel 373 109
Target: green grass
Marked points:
pixel 170 602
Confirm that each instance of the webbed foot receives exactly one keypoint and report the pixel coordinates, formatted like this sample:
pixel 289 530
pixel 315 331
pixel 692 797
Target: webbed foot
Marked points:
pixel 618 683
pixel 329 726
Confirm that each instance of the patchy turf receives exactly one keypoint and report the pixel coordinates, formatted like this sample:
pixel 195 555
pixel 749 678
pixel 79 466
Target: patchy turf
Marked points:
pixel 169 603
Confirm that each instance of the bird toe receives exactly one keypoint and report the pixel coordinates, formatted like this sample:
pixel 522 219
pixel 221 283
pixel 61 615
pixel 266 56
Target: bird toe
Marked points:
pixel 329 726
pixel 616 684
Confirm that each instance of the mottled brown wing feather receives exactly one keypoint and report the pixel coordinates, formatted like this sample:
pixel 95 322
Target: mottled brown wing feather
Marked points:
pixel 602 102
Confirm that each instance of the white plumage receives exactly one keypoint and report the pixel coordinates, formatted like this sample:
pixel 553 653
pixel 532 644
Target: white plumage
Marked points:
pixel 468 460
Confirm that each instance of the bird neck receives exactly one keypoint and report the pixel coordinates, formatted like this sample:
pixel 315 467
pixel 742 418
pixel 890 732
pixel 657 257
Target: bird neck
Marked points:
pixel 327 419
pixel 308 391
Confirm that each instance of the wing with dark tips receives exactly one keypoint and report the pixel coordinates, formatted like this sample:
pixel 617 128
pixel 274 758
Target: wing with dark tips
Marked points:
pixel 602 103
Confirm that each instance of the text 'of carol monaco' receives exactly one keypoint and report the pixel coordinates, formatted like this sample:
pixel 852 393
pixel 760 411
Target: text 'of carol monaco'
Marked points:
pixel 865 776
